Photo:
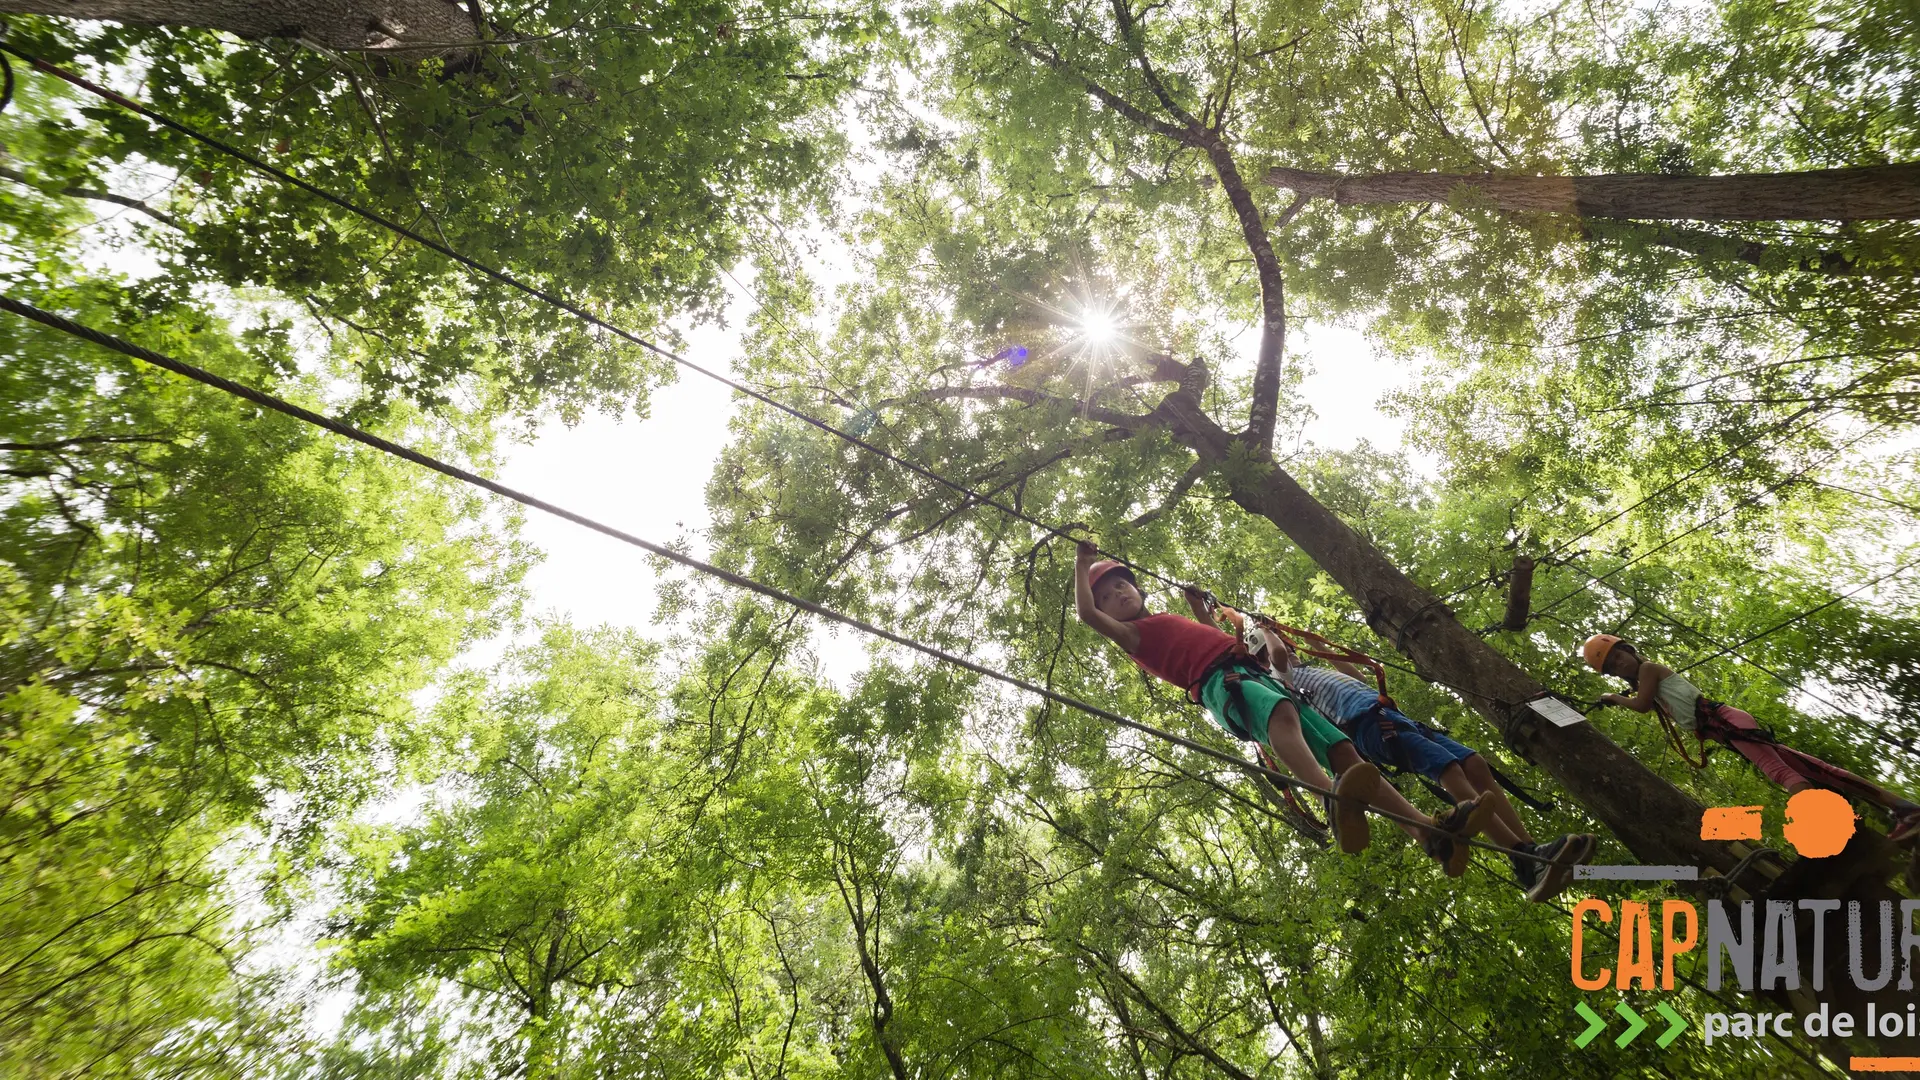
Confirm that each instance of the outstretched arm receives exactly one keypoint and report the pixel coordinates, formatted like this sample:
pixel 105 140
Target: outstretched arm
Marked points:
pixel 1350 671
pixel 1642 700
pixel 1202 612
pixel 1122 634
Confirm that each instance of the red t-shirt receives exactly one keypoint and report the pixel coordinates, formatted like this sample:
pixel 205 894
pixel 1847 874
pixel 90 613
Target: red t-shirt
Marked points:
pixel 1178 649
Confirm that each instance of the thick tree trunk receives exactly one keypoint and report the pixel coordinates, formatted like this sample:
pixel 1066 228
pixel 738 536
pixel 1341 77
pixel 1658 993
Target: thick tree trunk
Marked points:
pixel 411 28
pixel 1856 874
pixel 1863 194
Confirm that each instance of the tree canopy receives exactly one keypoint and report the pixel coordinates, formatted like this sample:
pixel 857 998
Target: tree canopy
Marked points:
pixel 297 786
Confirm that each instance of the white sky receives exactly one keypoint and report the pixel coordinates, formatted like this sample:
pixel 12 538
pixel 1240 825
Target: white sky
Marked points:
pixel 649 477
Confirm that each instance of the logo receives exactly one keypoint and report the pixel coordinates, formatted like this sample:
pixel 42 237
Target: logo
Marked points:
pixel 1757 943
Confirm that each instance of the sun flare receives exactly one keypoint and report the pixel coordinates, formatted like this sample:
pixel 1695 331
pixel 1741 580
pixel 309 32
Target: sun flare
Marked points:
pixel 1099 327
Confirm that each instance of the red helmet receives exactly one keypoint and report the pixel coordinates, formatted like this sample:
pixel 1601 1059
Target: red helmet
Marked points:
pixel 1103 568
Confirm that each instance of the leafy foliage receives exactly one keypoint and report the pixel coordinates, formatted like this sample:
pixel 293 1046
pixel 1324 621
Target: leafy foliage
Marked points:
pixel 694 856
pixel 214 620
pixel 615 155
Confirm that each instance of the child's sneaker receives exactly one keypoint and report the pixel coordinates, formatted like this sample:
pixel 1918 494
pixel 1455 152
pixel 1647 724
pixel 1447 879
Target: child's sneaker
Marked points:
pixel 1441 848
pixel 1355 788
pixel 1566 852
pixel 1525 870
pixel 1460 824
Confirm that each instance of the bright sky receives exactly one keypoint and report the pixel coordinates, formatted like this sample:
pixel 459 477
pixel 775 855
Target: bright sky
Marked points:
pixel 649 477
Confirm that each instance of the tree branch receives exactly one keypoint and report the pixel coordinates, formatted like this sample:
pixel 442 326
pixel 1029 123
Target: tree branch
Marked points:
pixel 160 216
pixel 1051 58
pixel 1263 413
pixel 1113 418
pixel 1168 1021
pixel 1867 193
pixel 1131 37
pixel 1179 491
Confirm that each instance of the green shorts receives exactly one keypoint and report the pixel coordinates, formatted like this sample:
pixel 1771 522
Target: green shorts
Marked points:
pixel 1259 693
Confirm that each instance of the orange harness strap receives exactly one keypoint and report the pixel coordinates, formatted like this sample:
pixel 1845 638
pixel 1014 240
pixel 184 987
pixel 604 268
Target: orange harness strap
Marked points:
pixel 1679 744
pixel 1287 793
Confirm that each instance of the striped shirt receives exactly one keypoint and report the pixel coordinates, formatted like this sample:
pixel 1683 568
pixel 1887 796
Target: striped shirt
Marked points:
pixel 1338 697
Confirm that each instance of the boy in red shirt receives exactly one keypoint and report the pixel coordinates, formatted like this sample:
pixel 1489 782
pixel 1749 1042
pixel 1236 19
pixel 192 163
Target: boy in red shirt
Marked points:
pixel 1201 659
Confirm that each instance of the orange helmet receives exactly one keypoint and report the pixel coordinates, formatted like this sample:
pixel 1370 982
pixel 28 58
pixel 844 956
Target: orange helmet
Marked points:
pixel 1598 648
pixel 1103 568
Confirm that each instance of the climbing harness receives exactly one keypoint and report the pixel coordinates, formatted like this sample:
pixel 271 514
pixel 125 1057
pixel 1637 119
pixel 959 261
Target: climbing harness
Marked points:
pixel 1711 724
pixel 1598 649
pixel 1267 628
pixel 1324 649
pixel 1679 744
pixel 1305 822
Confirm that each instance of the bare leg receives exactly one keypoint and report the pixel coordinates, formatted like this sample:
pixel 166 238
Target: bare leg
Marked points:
pixel 1480 781
pixel 1343 756
pixel 1290 746
pixel 1454 779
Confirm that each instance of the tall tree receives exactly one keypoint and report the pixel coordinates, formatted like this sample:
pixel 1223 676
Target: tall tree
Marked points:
pixel 412 28
pixel 1865 193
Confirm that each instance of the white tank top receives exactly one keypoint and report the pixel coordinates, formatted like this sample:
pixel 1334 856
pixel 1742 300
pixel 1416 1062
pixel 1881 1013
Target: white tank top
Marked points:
pixel 1679 698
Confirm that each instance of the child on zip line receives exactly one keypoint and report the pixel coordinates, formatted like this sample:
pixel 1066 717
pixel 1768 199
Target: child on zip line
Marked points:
pixel 1215 669
pixel 1384 735
pixel 1680 705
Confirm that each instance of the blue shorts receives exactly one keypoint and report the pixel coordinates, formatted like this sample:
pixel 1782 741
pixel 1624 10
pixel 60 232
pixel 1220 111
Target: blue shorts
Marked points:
pixel 1386 737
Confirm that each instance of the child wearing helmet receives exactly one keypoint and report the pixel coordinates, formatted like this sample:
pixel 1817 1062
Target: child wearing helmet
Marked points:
pixel 1214 668
pixel 1382 733
pixel 1660 689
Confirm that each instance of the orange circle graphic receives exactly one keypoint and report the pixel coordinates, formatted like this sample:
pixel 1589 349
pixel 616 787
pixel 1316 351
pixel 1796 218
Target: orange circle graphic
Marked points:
pixel 1819 822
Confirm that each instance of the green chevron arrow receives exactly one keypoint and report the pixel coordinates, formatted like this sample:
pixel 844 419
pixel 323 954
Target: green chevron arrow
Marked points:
pixel 1595 1025
pixel 1676 1022
pixel 1635 1025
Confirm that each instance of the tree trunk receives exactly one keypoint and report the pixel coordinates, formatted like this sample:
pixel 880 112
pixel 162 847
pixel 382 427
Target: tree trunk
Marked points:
pixel 1869 193
pixel 410 28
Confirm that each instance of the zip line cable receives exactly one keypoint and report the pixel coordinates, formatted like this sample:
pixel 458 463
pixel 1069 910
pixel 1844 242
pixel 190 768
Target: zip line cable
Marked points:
pixel 582 313
pixel 1782 625
pixel 544 295
pixel 1701 635
pixel 1662 615
pixel 348 431
pixel 1778 428
pixel 1723 649
pixel 1496 576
